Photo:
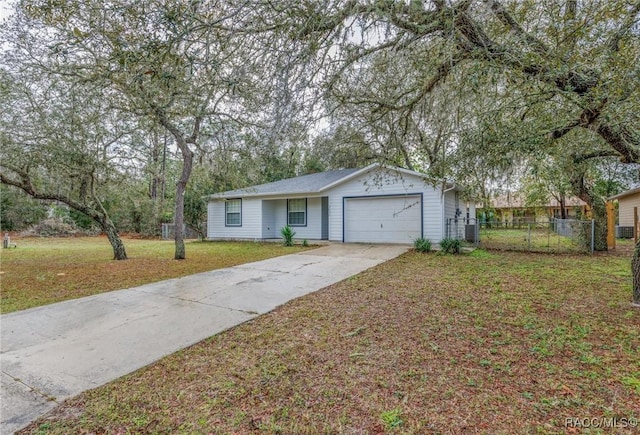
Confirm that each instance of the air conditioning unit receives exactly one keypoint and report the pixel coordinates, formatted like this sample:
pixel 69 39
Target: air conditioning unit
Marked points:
pixel 624 232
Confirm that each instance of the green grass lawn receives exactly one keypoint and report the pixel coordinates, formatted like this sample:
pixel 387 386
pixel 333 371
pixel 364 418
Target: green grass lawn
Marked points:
pixel 42 271
pixel 535 240
pixel 490 343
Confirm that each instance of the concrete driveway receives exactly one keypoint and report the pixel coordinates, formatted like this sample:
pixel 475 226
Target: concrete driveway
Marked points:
pixel 50 353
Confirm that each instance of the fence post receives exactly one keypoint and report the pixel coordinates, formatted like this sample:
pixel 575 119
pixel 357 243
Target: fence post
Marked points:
pixel 529 237
pixel 611 226
pixel 593 235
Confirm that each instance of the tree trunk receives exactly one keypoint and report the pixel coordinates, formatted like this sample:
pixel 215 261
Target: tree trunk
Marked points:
pixel 97 213
pixel 563 205
pixel 598 211
pixel 119 252
pixel 599 214
pixel 635 271
pixel 181 186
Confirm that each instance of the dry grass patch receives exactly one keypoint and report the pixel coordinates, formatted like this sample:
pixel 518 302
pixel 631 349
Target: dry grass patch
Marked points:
pixel 482 343
pixel 42 271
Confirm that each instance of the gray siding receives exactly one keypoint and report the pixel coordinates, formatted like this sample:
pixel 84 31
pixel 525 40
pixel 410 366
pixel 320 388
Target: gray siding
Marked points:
pixel 313 230
pixel 251 221
pixel 263 218
pixel 450 205
pixel 373 184
pixel 449 200
pixel 472 210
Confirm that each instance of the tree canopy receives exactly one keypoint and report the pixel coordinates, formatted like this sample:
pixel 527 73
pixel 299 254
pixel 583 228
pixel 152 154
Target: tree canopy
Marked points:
pixel 464 90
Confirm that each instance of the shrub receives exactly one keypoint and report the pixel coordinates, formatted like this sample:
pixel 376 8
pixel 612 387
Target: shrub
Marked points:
pixel 305 243
pixel 451 246
pixel 422 245
pixel 287 235
pixel 57 227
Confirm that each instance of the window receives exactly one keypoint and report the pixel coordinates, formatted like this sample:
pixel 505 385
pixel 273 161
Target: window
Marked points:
pixel 233 212
pixel 297 212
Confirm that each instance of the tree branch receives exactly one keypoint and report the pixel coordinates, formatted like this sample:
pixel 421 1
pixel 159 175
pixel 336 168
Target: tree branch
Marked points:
pixel 505 17
pixel 26 186
pixel 478 43
pixel 623 140
pixel 442 72
pixel 588 116
pixel 579 158
pixel 614 41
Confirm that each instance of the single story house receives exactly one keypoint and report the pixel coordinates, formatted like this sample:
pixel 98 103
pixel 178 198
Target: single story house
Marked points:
pixel 375 204
pixel 627 201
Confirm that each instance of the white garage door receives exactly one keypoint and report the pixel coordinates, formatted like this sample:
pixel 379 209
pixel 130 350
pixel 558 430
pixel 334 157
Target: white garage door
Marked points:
pixel 386 219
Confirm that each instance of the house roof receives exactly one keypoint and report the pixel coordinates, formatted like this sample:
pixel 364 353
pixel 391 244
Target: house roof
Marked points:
pixel 305 184
pixel 517 200
pixel 625 193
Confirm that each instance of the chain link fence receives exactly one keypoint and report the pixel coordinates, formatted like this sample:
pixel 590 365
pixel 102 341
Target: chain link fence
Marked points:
pixel 168 231
pixel 554 235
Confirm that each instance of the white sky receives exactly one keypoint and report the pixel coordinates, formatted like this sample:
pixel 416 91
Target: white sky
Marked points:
pixel 4 11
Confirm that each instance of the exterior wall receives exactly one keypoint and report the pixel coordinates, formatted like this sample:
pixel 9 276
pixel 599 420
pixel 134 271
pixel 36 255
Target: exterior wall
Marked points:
pixel 452 227
pixel 472 210
pixel 263 218
pixel 278 219
pixel 313 230
pixel 280 215
pixel 625 209
pixel 269 228
pixel 377 183
pixel 450 205
pixel 251 221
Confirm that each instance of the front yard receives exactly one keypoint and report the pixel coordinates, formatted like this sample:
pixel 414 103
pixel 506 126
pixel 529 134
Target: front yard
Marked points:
pixel 41 271
pixel 479 343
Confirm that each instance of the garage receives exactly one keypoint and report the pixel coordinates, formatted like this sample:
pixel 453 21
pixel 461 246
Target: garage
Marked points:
pixel 383 219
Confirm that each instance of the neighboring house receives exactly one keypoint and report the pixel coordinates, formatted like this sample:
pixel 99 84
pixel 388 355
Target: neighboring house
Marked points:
pixel 627 201
pixel 512 208
pixel 375 204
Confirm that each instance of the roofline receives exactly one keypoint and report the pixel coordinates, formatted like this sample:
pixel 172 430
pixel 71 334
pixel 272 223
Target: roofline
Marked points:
pixel 448 186
pixel 219 196
pixel 267 196
pixel 348 177
pixel 625 193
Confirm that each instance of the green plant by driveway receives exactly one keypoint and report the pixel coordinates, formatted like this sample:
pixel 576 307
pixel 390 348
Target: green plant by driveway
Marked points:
pixel 451 246
pixel 422 245
pixel 287 235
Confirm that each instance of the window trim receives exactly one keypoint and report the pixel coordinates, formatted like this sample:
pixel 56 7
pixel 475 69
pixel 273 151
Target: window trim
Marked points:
pixel 226 213
pixel 305 212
